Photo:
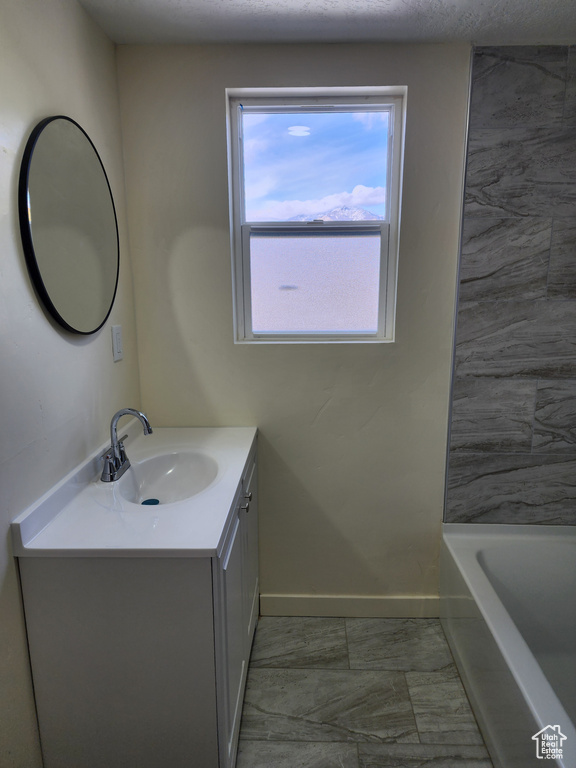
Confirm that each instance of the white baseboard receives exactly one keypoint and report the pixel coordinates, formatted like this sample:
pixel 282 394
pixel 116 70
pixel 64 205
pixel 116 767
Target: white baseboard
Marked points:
pixel 358 606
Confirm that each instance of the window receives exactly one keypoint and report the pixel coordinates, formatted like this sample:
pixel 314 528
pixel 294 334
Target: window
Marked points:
pixel 315 181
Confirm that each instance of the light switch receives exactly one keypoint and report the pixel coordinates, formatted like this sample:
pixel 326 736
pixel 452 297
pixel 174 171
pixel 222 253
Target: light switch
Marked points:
pixel 117 349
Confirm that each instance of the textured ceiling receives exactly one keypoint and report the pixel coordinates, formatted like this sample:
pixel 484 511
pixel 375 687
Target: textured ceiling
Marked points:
pixel 483 22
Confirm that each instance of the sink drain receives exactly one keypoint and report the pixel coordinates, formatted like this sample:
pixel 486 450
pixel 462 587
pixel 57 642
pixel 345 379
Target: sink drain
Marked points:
pixel 150 502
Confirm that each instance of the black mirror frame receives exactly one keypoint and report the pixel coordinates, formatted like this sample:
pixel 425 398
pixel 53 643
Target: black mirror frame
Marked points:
pixel 26 231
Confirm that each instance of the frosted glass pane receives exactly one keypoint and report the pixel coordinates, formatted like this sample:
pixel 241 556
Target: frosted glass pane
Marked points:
pixel 315 283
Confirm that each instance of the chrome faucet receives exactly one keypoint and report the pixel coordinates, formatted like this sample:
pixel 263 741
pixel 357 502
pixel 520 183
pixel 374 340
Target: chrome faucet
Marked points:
pixel 115 460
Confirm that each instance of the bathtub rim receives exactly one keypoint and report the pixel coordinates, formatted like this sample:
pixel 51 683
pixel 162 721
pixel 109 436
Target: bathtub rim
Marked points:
pixel 464 541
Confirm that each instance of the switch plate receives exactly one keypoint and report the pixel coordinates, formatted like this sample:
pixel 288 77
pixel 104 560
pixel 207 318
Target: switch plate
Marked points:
pixel 117 349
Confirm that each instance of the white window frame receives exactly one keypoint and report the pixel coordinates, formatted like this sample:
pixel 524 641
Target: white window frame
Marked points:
pixel 320 99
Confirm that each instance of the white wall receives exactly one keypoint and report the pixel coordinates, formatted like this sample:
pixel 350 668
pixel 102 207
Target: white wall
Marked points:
pixel 353 437
pixel 57 391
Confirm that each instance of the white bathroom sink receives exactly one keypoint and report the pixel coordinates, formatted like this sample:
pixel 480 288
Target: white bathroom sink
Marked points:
pixel 167 478
pixel 193 472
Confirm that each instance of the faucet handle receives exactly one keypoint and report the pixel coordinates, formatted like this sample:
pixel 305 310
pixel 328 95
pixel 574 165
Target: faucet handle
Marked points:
pixel 107 452
pixel 122 458
pixel 114 465
pixel 109 468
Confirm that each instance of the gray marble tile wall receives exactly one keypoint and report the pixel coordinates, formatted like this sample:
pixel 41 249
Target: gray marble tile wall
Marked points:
pixel 512 455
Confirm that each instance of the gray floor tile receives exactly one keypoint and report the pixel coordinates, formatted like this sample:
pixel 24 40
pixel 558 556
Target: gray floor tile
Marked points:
pixel 300 642
pixel 327 705
pixel 441 708
pixel 277 754
pixel 304 709
pixel 397 644
pixel 421 755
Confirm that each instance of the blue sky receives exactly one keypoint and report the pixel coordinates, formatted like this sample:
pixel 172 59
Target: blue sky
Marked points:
pixel 310 162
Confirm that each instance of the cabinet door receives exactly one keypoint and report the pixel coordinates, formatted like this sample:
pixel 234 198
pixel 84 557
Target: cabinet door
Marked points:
pixel 250 525
pixel 236 604
pixel 234 651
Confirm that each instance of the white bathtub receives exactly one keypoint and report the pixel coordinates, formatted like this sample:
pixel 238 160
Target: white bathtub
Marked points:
pixel 508 607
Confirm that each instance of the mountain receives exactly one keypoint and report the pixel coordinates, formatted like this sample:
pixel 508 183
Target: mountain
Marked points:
pixel 341 213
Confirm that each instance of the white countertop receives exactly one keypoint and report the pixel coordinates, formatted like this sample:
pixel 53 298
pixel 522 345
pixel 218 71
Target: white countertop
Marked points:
pixel 83 517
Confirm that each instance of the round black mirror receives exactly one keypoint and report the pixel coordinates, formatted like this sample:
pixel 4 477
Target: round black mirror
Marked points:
pixel 68 225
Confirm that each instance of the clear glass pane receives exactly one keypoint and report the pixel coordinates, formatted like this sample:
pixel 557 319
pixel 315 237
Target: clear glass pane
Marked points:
pixel 315 165
pixel 315 282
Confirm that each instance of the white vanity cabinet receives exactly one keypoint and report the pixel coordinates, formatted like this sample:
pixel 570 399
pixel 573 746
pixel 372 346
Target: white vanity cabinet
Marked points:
pixel 236 612
pixel 141 660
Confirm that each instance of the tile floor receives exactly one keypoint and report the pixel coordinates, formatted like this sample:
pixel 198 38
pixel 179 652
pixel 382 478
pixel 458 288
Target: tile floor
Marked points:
pixel 356 693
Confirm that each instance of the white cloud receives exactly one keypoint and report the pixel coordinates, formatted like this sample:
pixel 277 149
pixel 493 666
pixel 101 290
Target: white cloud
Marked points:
pixel 277 210
pixel 371 119
pixel 299 130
